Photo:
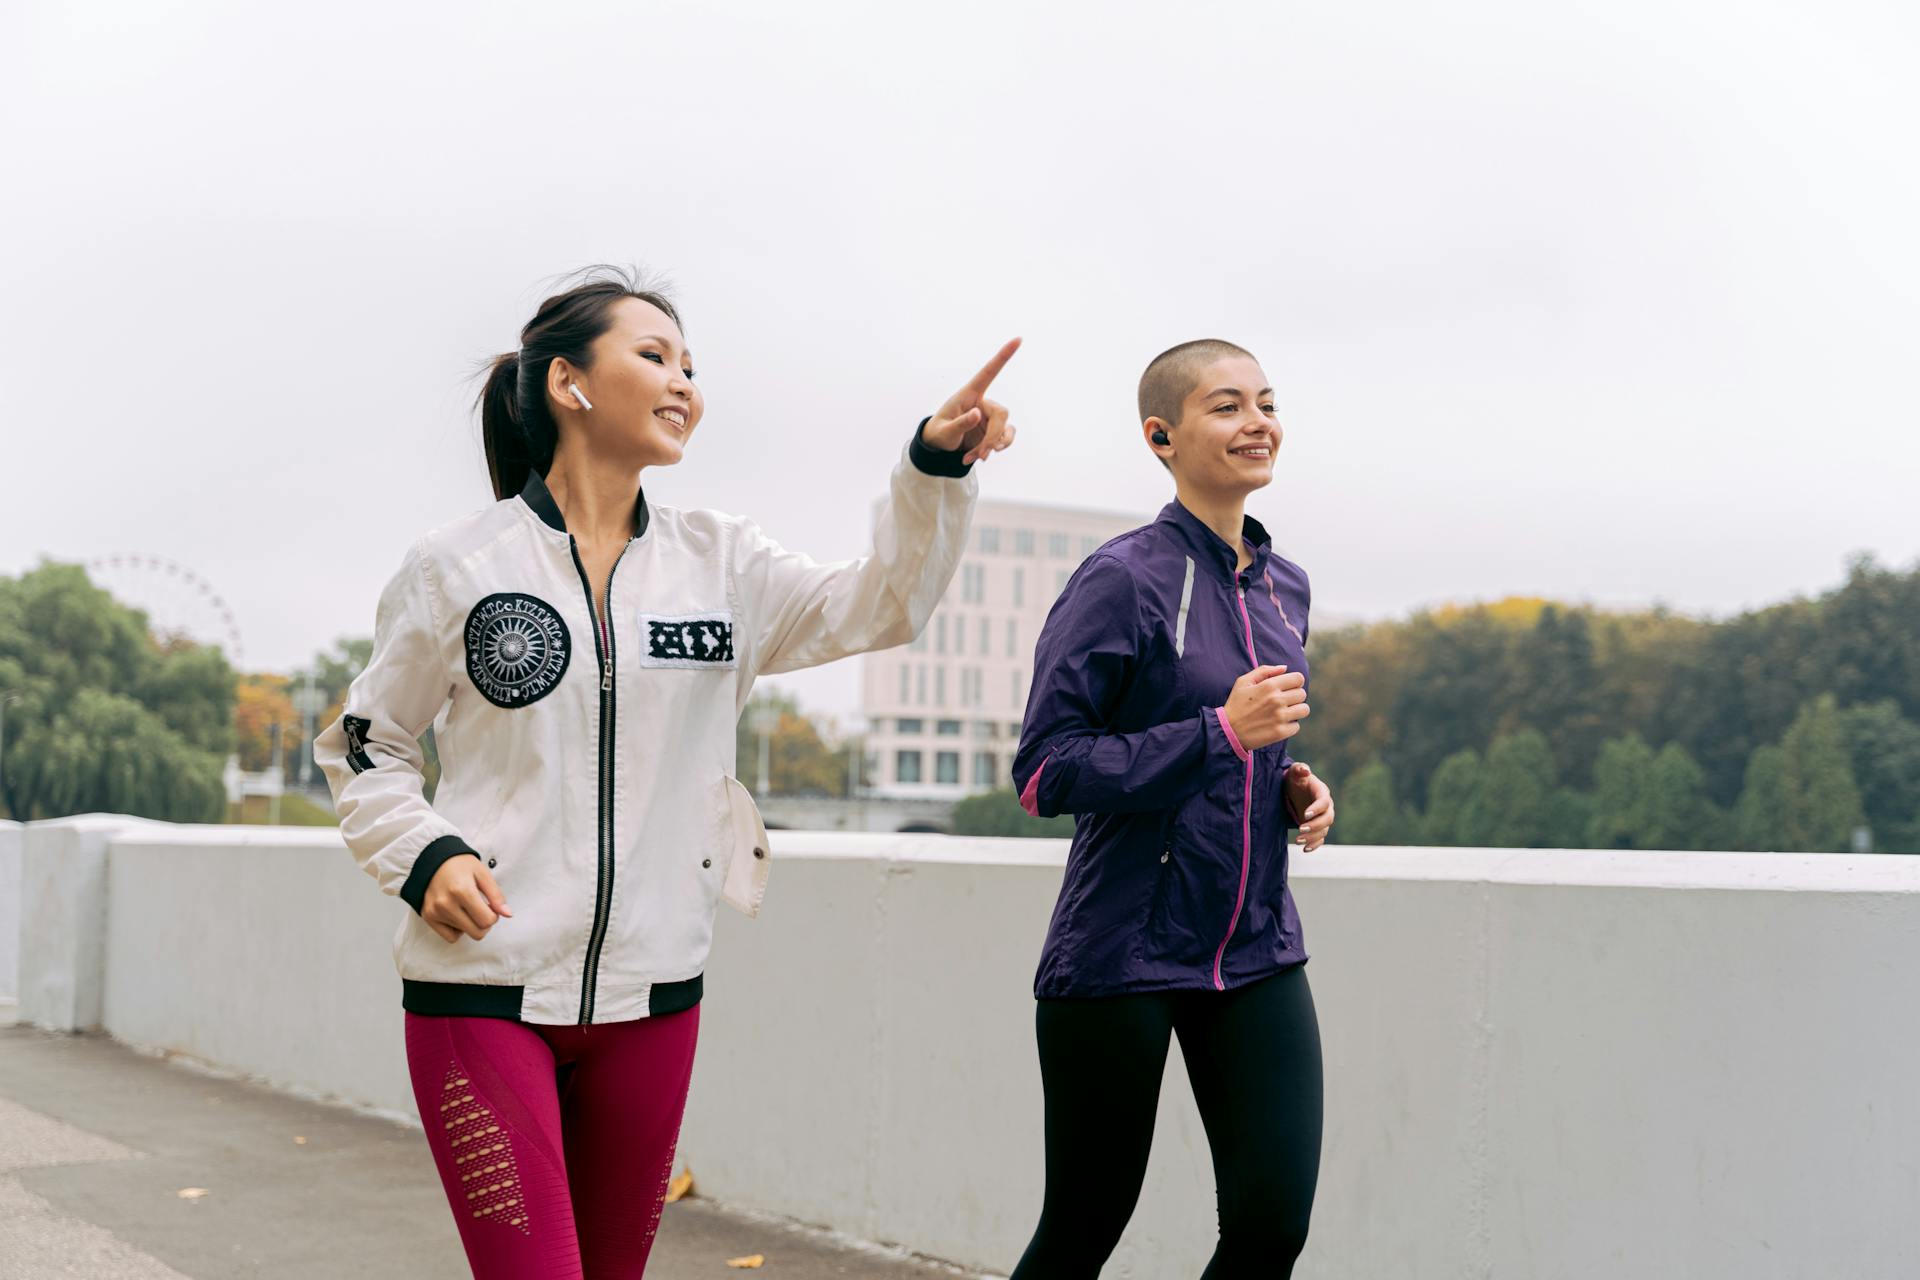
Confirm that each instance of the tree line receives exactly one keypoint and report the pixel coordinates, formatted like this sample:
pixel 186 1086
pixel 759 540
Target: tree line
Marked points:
pixel 1522 723
pixel 1525 723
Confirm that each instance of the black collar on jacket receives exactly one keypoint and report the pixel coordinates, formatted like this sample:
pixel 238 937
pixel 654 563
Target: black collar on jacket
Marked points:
pixel 536 495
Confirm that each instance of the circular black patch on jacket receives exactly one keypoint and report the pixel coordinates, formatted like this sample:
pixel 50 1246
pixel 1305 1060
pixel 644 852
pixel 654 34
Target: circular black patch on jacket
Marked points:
pixel 517 648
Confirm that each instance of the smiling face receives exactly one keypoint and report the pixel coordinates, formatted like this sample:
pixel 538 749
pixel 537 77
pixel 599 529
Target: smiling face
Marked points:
pixel 1226 437
pixel 640 384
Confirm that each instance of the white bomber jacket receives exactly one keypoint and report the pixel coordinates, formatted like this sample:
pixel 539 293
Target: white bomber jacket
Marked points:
pixel 592 768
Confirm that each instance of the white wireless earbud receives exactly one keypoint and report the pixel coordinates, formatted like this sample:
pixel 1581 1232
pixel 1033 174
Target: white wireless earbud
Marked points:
pixel 575 388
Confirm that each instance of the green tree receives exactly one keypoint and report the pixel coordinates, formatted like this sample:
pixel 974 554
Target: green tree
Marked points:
pixel 1726 701
pixel 191 688
pixel 104 718
pixel 1757 816
pixel 1648 800
pixel 1870 636
pixel 1555 683
pixel 1568 818
pixel 1451 699
pixel 1451 797
pixel 1367 811
pixel 998 813
pixel 1677 813
pixel 1885 750
pixel 105 753
pixel 1622 779
pixel 1512 807
pixel 1800 794
pixel 1821 808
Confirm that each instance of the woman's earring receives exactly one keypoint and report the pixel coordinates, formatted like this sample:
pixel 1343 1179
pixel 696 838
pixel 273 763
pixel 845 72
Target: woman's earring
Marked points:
pixel 575 388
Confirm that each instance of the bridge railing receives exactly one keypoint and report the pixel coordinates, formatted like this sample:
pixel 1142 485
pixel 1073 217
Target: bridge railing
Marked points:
pixel 1538 1063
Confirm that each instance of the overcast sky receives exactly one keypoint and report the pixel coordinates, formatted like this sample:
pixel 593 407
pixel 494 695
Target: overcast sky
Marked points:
pixel 1615 302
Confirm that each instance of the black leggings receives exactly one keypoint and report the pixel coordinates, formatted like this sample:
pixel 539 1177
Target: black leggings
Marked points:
pixel 1253 1055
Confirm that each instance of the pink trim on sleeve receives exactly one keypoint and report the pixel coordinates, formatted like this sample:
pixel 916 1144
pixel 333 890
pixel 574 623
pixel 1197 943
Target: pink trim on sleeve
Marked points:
pixel 1233 739
pixel 1030 798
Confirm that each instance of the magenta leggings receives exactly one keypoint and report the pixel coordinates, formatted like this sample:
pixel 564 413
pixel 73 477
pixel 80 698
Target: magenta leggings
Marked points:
pixel 554 1144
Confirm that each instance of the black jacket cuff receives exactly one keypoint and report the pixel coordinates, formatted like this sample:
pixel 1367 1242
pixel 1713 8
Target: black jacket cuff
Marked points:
pixel 429 861
pixel 936 462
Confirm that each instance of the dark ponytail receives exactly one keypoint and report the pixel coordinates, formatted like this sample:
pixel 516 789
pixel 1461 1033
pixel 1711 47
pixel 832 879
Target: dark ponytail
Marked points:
pixel 516 424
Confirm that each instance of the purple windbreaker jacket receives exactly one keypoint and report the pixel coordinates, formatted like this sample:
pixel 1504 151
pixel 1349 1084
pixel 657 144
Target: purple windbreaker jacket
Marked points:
pixel 1177 876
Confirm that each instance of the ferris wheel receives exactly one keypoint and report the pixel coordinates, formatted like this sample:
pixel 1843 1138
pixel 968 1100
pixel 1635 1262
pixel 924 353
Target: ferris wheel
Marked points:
pixel 178 602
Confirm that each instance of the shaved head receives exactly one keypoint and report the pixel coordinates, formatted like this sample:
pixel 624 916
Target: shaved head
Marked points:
pixel 1173 374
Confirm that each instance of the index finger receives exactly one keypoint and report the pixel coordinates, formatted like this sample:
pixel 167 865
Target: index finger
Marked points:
pixel 490 890
pixel 991 370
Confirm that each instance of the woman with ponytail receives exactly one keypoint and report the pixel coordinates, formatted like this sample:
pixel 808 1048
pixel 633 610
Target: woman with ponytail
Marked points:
pixel 583 653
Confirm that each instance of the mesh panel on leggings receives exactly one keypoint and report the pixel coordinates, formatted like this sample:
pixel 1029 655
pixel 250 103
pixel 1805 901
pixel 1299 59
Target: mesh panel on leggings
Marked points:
pixel 482 1154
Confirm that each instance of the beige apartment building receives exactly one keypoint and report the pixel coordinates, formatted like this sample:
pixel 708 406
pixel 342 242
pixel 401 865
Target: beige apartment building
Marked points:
pixel 943 713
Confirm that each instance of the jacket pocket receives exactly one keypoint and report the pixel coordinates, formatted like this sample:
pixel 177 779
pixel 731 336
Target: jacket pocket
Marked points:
pixel 744 885
pixel 1163 850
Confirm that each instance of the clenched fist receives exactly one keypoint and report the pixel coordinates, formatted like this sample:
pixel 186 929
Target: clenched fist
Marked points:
pixel 1266 706
pixel 462 898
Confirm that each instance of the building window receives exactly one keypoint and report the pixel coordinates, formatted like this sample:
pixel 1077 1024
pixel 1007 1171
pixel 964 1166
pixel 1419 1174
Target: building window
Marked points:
pixel 909 726
pixel 920 686
pixel 1087 547
pixel 960 635
pixel 1057 546
pixel 1060 582
pixel 906 680
pixel 940 634
pixel 919 644
pixel 1019 587
pixel 983 769
pixel 939 686
pixel 1013 636
pixel 990 541
pixel 986 639
pixel 946 767
pixel 1014 684
pixel 1023 542
pixel 906 766
pixel 947 728
pixel 985 729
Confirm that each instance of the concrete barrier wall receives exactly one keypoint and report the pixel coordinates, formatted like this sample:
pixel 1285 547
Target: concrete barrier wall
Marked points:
pixel 1540 1064
pixel 10 840
pixel 263 950
pixel 63 918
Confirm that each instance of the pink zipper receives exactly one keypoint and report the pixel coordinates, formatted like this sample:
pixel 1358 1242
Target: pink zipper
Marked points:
pixel 1246 819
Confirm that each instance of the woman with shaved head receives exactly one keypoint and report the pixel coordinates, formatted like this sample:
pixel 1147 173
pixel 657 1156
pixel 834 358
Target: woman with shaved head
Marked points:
pixel 1168 680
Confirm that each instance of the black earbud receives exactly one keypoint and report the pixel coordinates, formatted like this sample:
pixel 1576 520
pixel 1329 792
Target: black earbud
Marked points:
pixel 1160 437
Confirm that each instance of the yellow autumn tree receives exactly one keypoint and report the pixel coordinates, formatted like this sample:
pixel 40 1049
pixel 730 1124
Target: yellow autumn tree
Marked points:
pixel 263 700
